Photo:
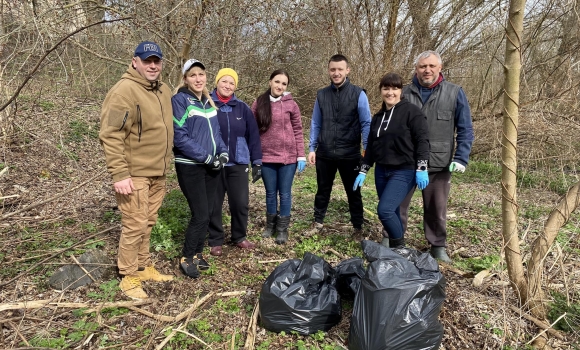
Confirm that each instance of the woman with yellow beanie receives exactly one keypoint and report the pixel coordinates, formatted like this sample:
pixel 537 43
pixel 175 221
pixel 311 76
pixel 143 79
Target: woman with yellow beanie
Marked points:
pixel 241 136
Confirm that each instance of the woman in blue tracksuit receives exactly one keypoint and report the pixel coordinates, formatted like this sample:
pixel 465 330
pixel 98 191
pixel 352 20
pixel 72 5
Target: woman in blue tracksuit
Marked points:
pixel 240 134
pixel 199 158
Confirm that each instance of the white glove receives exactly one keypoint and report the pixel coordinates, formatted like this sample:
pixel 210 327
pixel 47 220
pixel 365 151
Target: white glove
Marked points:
pixel 457 167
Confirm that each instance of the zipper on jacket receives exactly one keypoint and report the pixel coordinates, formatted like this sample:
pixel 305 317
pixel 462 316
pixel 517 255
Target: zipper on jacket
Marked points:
pixel 139 122
pixel 166 133
pixel 210 128
pixel 124 121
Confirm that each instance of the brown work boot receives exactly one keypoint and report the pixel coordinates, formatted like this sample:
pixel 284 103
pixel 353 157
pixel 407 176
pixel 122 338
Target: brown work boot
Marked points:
pixel 131 286
pixel 150 273
pixel 245 244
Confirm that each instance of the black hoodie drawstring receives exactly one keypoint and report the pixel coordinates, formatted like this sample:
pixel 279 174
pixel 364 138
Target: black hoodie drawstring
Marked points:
pixel 139 122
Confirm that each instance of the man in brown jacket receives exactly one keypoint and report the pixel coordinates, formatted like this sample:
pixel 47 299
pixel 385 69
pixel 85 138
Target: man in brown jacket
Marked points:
pixel 137 136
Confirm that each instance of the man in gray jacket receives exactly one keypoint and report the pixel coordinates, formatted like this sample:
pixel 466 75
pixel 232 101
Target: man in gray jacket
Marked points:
pixel 451 138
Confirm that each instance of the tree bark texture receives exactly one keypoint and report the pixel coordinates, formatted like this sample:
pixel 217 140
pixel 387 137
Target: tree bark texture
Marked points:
pixel 558 218
pixel 512 69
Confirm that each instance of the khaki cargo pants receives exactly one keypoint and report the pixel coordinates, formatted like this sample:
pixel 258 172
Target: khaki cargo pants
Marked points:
pixel 139 214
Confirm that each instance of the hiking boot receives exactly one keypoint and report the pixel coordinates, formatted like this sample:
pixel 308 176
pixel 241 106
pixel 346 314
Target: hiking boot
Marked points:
pixel 202 264
pixel 385 242
pixel 282 229
pixel 270 225
pixel 398 243
pixel 357 234
pixel 216 251
pixel 131 286
pixel 314 229
pixel 245 244
pixel 189 267
pixel 150 273
pixel 440 253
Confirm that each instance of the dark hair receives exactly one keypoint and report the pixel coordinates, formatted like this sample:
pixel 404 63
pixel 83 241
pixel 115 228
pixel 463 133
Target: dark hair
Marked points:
pixel 338 58
pixel 391 80
pixel 263 108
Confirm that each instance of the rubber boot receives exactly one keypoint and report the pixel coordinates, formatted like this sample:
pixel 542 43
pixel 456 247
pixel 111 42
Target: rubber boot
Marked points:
pixel 397 243
pixel 282 223
pixel 270 225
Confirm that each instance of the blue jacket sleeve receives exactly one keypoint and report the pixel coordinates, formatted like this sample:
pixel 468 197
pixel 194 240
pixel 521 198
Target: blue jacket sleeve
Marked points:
pixel 181 140
pixel 252 136
pixel 315 126
pixel 364 115
pixel 464 128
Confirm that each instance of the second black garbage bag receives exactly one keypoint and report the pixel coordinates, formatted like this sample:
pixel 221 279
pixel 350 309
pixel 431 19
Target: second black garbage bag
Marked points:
pixel 398 303
pixel 300 296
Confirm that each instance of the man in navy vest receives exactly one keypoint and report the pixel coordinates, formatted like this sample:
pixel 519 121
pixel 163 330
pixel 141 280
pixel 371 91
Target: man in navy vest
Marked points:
pixel 450 136
pixel 340 120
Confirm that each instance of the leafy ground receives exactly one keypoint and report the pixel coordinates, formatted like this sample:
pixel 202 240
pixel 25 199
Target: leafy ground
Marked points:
pixel 53 150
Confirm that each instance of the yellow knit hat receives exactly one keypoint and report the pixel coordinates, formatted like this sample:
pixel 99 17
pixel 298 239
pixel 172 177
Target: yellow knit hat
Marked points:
pixel 227 71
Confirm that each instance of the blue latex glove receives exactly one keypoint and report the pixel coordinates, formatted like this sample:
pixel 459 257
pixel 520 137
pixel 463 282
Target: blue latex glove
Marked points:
pixel 360 179
pixel 422 179
pixel 301 165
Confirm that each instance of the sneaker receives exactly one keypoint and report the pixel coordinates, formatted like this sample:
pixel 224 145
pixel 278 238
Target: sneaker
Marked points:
pixel 131 286
pixel 315 229
pixel 202 264
pixel 150 273
pixel 189 267
pixel 440 253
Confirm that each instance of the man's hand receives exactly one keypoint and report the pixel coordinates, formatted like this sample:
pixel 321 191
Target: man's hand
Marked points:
pixel 312 158
pixel 124 186
pixel 457 167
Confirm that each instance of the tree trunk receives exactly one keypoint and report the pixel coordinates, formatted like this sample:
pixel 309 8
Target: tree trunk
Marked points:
pixel 390 40
pixel 512 68
pixel 558 218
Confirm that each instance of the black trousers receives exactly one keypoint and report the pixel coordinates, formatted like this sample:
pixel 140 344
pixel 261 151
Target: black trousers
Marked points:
pixel 198 184
pixel 233 180
pixel 325 174
pixel 435 197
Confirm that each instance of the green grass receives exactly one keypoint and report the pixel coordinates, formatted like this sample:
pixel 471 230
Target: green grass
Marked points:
pixel 174 215
pixel 561 305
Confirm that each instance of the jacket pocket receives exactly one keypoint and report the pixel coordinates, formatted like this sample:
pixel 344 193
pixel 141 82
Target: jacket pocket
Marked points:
pixel 440 154
pixel 242 151
pixel 444 115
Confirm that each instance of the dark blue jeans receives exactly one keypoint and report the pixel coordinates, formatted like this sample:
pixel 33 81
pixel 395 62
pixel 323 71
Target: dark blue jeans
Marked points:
pixel 392 185
pixel 278 180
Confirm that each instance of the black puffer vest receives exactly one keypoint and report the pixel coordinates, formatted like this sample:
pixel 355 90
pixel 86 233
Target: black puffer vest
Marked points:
pixel 340 131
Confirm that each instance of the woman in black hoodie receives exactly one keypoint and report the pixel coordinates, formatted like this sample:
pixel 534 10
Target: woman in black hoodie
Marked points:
pixel 399 144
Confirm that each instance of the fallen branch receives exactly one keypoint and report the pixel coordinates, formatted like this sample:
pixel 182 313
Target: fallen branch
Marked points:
pixel 342 256
pixel 32 206
pixel 545 330
pixel 35 304
pixel 174 331
pixel 56 254
pixel 538 323
pixel 270 261
pixel 82 268
pixel 18 332
pixel 196 338
pixel 252 326
pixel 453 269
pixel 10 196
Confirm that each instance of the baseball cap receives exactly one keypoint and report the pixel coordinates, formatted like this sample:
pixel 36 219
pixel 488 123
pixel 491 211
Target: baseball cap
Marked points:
pixel 190 63
pixel 147 49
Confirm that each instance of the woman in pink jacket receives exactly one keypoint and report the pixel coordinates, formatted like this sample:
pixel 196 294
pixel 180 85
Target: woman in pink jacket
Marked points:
pixel 278 118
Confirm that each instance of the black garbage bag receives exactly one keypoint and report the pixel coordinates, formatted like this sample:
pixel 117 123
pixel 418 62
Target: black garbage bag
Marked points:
pixel 348 275
pixel 300 296
pixel 398 302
